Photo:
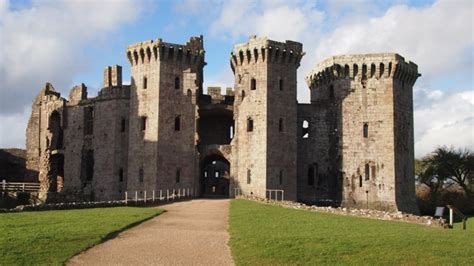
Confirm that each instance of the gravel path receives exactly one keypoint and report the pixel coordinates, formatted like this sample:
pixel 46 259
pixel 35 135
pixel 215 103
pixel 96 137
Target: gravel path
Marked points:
pixel 188 233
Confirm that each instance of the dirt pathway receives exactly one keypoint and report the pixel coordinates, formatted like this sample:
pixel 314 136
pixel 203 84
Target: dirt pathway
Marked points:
pixel 189 233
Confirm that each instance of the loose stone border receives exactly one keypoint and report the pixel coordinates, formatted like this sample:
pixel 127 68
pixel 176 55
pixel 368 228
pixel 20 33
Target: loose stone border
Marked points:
pixel 85 205
pixel 366 213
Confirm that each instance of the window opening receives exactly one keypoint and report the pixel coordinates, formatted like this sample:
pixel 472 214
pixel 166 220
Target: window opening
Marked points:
pixel 89 120
pixel 249 125
pixel 143 122
pixel 122 125
pixel 121 175
pixel 178 175
pixel 305 129
pixel 253 84
pixel 367 171
pixel 140 175
pixel 177 123
pixel 366 130
pixel 249 178
pixel 311 175
pixel 280 125
pixel 176 83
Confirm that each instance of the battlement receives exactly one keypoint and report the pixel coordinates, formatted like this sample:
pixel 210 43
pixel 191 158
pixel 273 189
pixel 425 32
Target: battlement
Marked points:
pixel 265 50
pixel 152 51
pixel 364 66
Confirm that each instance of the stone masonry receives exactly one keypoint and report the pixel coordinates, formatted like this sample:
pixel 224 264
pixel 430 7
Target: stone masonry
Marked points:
pixel 351 146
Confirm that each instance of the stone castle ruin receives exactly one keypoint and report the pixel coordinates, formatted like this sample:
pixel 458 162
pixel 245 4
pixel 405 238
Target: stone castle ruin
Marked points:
pixel 351 146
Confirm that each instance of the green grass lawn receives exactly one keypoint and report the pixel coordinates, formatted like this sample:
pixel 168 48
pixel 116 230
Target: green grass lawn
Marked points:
pixel 265 234
pixel 51 237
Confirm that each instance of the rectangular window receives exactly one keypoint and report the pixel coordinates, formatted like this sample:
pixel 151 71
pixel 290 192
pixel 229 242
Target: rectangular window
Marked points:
pixel 216 174
pixel 141 175
pixel 143 123
pixel 178 175
pixel 366 130
pixel 145 83
pixel 89 165
pixel 122 125
pixel 280 125
pixel 367 172
pixel 311 175
pixel 249 125
pixel 281 84
pixel 281 177
pixel 249 178
pixel 176 83
pixel 177 123
pixel 253 84
pixel 89 120
pixel 121 175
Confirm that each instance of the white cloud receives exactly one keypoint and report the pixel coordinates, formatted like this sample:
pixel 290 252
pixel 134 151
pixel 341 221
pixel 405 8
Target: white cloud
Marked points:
pixel 276 19
pixel 45 41
pixel 447 120
pixel 435 37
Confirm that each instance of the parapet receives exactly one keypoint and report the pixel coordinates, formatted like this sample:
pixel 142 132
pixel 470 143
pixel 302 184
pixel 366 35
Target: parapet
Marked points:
pixel 265 50
pixel 112 76
pixel 384 65
pixel 151 51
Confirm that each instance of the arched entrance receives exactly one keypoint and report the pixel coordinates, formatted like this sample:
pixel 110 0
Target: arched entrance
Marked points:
pixel 215 176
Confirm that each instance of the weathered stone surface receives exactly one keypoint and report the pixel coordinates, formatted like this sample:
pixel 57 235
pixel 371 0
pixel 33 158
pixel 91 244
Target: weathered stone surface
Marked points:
pixel 163 132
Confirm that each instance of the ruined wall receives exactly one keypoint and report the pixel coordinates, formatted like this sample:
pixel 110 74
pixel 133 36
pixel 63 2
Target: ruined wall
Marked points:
pixel 165 81
pixel 362 91
pixel 265 87
pixel 43 137
pixel 105 142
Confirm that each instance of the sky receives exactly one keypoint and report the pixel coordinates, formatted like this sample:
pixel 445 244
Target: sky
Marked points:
pixel 70 42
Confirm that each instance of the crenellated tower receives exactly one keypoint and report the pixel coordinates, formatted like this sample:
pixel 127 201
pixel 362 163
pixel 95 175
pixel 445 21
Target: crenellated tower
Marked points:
pixel 369 123
pixel 166 79
pixel 265 115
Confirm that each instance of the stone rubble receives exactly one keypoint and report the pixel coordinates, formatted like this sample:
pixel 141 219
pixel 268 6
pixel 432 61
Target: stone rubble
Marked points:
pixel 366 213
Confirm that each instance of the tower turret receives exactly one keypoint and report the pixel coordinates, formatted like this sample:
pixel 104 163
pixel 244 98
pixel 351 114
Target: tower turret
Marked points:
pixel 166 78
pixel 370 126
pixel 265 115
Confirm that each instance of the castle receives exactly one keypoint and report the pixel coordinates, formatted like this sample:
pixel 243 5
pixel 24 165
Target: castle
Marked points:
pixel 351 146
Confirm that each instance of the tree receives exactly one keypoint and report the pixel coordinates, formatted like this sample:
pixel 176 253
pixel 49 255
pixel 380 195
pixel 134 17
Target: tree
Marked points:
pixel 449 165
pixel 425 174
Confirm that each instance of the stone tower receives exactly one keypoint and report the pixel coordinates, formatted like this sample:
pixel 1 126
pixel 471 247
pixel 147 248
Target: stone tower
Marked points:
pixel 165 81
pixel 265 111
pixel 370 101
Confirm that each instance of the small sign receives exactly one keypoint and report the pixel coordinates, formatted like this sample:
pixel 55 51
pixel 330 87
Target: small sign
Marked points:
pixel 439 211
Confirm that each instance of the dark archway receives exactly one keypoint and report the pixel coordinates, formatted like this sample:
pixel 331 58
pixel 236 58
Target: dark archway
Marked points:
pixel 215 176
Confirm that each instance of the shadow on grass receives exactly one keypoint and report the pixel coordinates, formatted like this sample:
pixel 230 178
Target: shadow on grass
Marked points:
pixel 115 233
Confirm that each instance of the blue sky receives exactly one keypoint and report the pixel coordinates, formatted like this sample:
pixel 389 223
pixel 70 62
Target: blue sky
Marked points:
pixel 69 42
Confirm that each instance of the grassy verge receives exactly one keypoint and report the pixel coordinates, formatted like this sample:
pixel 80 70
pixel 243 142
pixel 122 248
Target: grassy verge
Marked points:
pixel 51 237
pixel 269 235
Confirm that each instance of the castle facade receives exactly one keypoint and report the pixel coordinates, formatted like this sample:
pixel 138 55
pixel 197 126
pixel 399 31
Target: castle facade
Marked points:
pixel 351 146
